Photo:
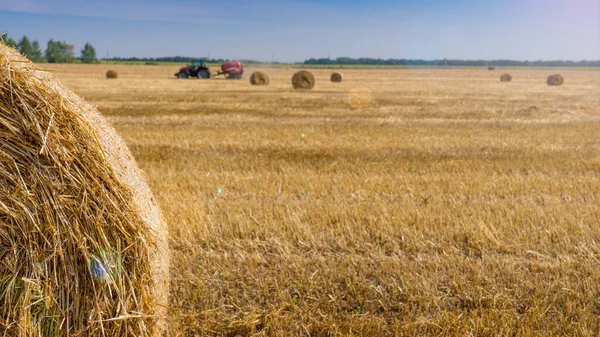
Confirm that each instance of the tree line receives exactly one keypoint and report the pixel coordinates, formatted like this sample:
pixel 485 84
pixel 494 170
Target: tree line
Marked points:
pixel 381 62
pixel 450 63
pixel 176 59
pixel 173 59
pixel 56 51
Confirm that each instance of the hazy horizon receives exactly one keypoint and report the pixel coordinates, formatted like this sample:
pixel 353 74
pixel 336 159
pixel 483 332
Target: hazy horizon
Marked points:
pixel 293 31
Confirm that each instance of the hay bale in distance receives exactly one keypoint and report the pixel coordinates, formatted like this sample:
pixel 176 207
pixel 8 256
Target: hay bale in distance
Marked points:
pixel 505 78
pixel 336 77
pixel 112 74
pixel 555 80
pixel 82 242
pixel 491 68
pixel 259 78
pixel 303 80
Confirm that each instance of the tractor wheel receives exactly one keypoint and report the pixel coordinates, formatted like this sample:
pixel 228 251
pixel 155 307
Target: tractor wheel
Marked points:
pixel 204 73
pixel 182 74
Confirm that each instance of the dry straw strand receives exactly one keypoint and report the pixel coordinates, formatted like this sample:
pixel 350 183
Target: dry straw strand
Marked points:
pixel 259 78
pixel 303 80
pixel 555 80
pixel 82 243
pixel 336 77
pixel 112 74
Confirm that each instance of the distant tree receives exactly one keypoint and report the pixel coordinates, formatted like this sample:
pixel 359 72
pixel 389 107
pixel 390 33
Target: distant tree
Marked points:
pixel 59 52
pixel 36 52
pixel 11 43
pixel 67 52
pixel 88 54
pixel 52 54
pixel 8 41
pixel 25 47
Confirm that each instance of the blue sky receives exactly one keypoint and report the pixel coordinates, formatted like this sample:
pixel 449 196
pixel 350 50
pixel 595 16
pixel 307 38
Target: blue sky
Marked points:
pixel 294 30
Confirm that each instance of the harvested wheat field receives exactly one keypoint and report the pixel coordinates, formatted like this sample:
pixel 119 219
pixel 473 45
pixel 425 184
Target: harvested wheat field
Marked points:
pixel 451 204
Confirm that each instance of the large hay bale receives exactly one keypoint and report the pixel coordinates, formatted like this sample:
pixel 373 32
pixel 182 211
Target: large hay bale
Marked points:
pixel 336 77
pixel 259 78
pixel 505 78
pixel 303 80
pixel 82 242
pixel 112 74
pixel 555 80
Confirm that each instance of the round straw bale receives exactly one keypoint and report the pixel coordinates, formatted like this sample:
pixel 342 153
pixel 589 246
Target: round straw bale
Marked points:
pixel 82 241
pixel 303 80
pixel 555 80
pixel 491 68
pixel 111 74
pixel 336 77
pixel 505 78
pixel 259 78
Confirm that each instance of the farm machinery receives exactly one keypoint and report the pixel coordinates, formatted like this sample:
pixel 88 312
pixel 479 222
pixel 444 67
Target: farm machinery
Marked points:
pixel 198 68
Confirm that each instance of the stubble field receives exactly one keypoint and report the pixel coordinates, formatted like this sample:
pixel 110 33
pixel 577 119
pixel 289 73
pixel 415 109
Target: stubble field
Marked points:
pixel 397 203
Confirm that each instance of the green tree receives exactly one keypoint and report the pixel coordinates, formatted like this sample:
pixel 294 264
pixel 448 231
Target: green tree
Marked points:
pixel 67 52
pixel 59 52
pixel 52 54
pixel 8 41
pixel 25 47
pixel 88 54
pixel 36 52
